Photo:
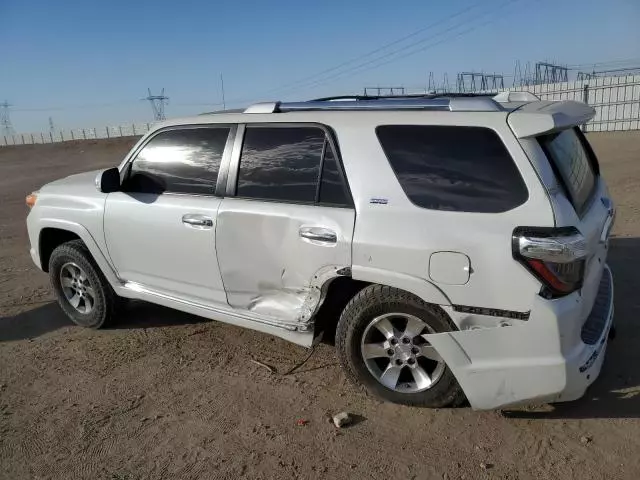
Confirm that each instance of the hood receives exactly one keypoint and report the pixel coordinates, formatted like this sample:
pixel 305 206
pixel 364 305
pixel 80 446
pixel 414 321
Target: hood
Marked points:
pixel 79 179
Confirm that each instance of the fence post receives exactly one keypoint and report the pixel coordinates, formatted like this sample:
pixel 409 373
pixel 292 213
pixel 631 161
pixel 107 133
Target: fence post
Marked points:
pixel 42 137
pixel 51 136
pixel 84 134
pixel 133 126
pixel 5 140
pixel 120 128
pixel 32 140
pixel 22 135
pixel 585 99
pixel 107 129
pixel 61 136
pixel 72 137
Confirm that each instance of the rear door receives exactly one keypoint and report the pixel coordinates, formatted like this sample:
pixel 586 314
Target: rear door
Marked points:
pixel 160 229
pixel 585 204
pixel 286 225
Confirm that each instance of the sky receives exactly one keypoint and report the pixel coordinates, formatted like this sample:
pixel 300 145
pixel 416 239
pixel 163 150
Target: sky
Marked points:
pixel 89 63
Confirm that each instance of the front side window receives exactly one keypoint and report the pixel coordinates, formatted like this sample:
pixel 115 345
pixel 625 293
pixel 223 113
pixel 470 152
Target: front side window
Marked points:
pixel 179 161
pixel 465 169
pixel 570 156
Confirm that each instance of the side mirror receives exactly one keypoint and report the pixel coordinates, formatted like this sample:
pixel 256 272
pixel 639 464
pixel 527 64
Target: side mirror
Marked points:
pixel 108 180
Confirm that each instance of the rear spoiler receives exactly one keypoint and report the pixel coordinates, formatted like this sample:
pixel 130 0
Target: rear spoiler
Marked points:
pixel 539 118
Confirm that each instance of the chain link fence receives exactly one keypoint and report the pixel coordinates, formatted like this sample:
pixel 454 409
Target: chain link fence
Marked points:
pixel 616 100
pixel 129 130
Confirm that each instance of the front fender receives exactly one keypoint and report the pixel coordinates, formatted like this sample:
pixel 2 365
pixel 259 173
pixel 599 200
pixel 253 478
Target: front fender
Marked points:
pixel 84 234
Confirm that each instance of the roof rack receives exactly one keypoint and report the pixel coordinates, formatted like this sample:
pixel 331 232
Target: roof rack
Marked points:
pixel 453 103
pixel 408 95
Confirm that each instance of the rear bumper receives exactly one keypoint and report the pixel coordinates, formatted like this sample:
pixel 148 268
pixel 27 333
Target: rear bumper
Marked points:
pixel 584 367
pixel 553 357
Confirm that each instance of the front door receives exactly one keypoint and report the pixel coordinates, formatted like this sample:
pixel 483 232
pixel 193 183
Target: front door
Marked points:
pixel 160 229
pixel 289 225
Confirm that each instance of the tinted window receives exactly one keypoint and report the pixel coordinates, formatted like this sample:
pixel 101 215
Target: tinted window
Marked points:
pixel 568 153
pixel 179 161
pixel 332 188
pixel 453 168
pixel 280 163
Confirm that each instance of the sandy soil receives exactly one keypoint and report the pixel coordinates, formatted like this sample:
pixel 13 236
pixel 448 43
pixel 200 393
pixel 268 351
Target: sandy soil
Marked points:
pixel 167 395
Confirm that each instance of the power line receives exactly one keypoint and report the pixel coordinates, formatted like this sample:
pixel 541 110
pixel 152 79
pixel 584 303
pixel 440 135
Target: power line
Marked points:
pixel 379 49
pixel 312 80
pixel 579 66
pixel 367 65
pixel 370 64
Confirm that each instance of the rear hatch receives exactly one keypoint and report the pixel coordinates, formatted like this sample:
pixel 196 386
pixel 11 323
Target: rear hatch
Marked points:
pixel 583 203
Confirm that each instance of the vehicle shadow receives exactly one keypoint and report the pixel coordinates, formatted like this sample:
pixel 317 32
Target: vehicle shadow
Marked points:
pixel 616 393
pixel 49 317
pixel 33 323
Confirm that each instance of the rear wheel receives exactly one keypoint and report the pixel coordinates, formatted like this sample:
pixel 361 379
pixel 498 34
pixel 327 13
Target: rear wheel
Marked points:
pixel 82 291
pixel 382 345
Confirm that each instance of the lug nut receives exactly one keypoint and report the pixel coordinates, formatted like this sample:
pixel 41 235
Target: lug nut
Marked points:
pixel 398 362
pixel 411 361
pixel 394 341
pixel 415 350
pixel 390 352
pixel 406 340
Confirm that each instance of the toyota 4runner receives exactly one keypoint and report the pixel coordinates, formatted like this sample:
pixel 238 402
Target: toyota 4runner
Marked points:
pixel 459 242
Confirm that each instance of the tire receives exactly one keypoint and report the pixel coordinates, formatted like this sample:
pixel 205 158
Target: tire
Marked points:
pixel 357 325
pixel 73 257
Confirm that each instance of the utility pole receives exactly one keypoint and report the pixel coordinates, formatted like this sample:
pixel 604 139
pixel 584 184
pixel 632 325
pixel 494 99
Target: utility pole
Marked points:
pixel 6 128
pixel 157 104
pixel 224 104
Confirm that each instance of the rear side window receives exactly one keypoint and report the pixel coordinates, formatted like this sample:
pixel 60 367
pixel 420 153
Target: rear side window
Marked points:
pixel 289 164
pixel 179 161
pixel 571 158
pixel 464 169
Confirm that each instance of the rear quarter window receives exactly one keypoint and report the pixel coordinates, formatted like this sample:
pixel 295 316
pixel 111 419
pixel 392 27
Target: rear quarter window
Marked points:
pixel 464 169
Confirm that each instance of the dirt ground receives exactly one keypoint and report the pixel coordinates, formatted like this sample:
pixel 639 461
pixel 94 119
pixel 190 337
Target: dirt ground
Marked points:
pixel 167 395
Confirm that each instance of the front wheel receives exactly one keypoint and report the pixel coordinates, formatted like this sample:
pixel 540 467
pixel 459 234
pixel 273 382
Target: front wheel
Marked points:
pixel 81 289
pixel 381 343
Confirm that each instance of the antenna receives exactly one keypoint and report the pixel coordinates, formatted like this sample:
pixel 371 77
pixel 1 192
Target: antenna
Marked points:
pixel 6 128
pixel 157 104
pixel 224 103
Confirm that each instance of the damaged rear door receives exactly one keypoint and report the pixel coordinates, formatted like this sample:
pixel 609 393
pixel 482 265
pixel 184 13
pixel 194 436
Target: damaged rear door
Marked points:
pixel 286 224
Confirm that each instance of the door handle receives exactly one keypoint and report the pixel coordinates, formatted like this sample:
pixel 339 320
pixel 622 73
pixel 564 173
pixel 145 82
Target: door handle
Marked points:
pixel 318 234
pixel 196 220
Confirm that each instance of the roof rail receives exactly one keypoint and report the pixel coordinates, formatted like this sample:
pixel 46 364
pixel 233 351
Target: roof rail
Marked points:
pixel 448 102
pixel 481 104
pixel 408 95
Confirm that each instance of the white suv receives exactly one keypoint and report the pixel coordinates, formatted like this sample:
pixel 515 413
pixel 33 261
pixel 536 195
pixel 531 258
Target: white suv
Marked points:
pixel 458 242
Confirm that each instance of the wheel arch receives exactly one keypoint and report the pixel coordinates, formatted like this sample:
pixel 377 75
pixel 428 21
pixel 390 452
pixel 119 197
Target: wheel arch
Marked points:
pixel 423 289
pixel 54 232
pixel 339 290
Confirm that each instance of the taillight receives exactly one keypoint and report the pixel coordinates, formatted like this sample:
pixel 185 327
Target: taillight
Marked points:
pixel 556 256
